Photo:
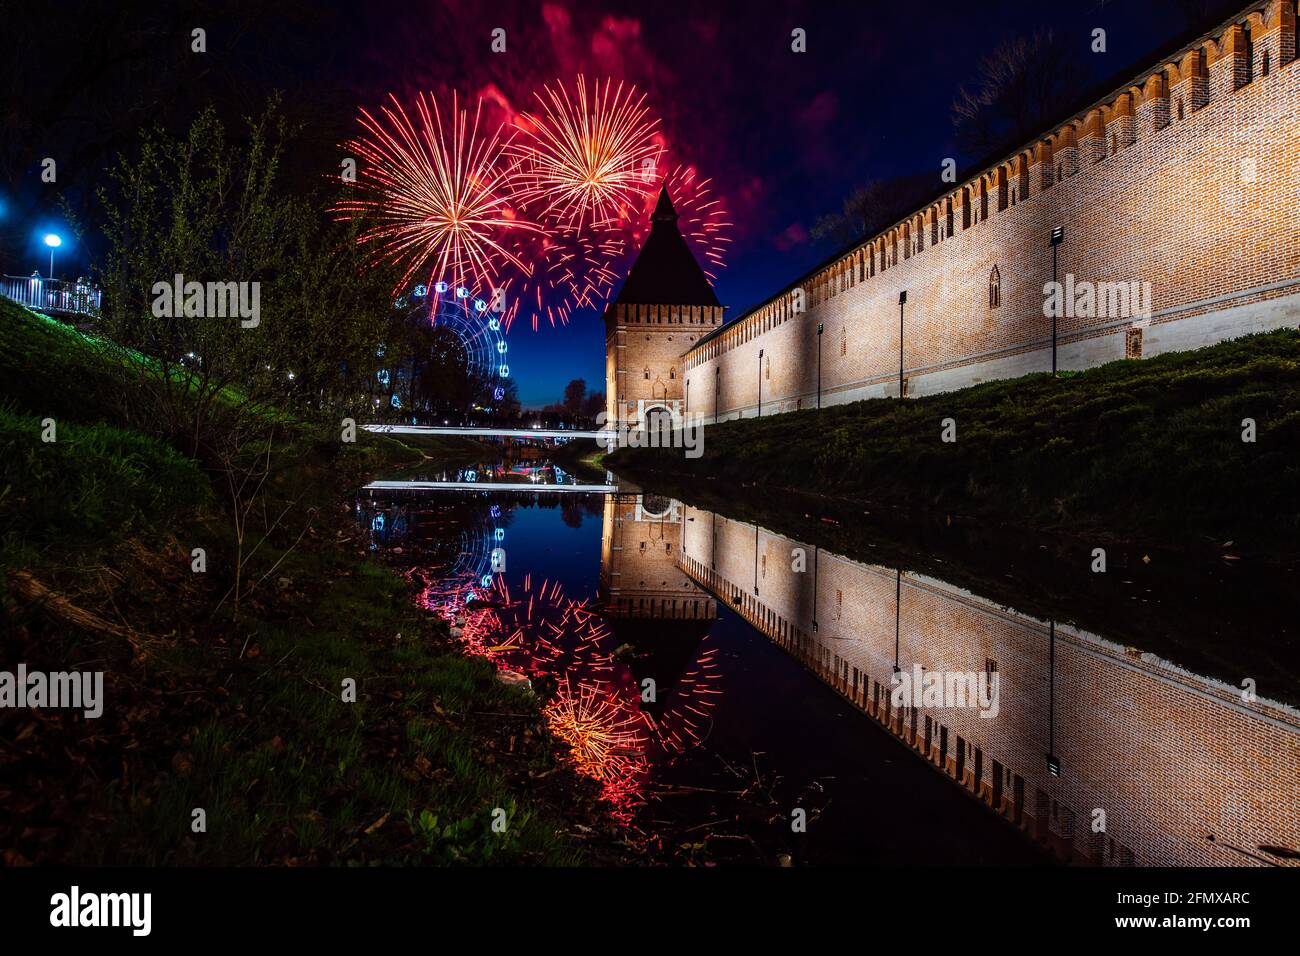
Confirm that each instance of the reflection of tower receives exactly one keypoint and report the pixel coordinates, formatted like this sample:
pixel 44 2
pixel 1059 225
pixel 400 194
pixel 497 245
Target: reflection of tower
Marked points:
pixel 642 584
pixel 639 574
pixel 664 308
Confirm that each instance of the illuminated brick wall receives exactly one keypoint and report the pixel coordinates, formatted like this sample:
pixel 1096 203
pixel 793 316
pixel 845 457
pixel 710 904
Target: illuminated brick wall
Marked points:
pixel 1186 180
pixel 639 572
pixel 644 345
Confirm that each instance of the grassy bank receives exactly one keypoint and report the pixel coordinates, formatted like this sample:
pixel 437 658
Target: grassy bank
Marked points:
pixel 236 707
pixel 1147 451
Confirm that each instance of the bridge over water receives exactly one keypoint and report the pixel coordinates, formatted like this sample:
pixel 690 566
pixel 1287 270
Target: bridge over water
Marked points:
pixel 477 432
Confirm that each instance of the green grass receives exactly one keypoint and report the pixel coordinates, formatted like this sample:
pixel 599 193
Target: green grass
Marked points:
pixel 90 481
pixel 1148 449
pixel 50 369
pixel 239 714
pixel 337 768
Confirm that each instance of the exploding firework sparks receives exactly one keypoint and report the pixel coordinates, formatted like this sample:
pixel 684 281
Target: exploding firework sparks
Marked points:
pixel 438 193
pixel 531 629
pixel 570 270
pixel 689 713
pixel 544 213
pixel 701 217
pixel 589 157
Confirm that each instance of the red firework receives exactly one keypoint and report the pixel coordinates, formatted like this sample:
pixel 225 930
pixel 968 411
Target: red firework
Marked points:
pixel 435 194
pixel 701 217
pixel 575 269
pixel 570 270
pixel 606 738
pixel 594 712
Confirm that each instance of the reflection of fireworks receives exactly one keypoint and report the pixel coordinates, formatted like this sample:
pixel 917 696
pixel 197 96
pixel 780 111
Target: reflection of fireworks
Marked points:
pixel 438 192
pixel 605 736
pixel 687 716
pixel 587 158
pixel 596 711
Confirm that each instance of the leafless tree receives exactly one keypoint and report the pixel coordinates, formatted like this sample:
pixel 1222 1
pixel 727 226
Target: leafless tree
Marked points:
pixel 1021 87
pixel 871 207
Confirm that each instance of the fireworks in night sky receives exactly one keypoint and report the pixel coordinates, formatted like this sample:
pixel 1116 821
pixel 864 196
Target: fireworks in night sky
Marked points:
pixel 701 216
pixel 548 207
pixel 587 156
pixel 435 193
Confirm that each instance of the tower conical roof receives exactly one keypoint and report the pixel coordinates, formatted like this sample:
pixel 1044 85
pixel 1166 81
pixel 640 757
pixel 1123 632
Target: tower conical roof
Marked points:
pixel 665 271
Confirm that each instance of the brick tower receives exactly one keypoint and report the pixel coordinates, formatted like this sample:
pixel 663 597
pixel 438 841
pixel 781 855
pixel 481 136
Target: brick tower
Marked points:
pixel 665 307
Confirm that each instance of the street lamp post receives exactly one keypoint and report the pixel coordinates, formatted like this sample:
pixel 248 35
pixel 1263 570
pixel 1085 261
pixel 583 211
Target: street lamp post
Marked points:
pixel 53 241
pixel 1057 235
pixel 717 381
pixel 760 383
pixel 1053 761
pixel 898 611
pixel 816 555
pixel 902 301
pixel 821 327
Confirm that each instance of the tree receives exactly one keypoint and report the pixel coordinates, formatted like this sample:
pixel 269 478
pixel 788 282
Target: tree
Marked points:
pixel 1022 86
pixel 574 393
pixel 229 301
pixel 871 207
pixel 214 212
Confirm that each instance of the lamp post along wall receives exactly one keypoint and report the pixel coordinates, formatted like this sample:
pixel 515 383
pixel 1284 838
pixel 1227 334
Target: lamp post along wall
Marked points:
pixel 902 301
pixel 821 327
pixel 1058 234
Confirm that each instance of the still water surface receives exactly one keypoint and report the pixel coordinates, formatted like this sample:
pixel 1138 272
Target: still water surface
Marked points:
pixel 731 690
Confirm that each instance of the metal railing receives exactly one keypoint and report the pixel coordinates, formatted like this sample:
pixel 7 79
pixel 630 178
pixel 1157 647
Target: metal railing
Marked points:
pixel 52 295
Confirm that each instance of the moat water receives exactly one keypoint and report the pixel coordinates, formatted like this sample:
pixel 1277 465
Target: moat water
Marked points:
pixel 732 691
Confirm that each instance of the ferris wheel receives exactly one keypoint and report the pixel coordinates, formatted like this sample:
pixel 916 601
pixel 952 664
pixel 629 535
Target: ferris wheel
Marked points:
pixel 472 321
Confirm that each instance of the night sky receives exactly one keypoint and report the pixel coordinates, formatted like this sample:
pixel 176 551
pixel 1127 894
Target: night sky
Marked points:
pixel 784 136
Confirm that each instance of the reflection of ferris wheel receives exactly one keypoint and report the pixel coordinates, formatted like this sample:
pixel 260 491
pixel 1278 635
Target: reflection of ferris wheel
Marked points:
pixel 472 321
pixel 480 555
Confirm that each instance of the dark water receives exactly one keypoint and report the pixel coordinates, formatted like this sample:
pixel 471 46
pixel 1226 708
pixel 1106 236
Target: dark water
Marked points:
pixel 727 687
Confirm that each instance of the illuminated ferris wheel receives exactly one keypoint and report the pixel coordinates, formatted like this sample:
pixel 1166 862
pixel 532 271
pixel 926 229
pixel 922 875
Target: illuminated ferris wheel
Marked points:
pixel 472 321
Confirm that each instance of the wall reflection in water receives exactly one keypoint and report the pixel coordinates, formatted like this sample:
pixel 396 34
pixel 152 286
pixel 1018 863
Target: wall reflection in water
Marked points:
pixel 1102 753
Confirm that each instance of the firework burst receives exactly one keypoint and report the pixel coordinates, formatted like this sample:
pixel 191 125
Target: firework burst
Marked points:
pixel 606 738
pixel 689 713
pixel 701 217
pixel 586 158
pixel 435 194
pixel 570 270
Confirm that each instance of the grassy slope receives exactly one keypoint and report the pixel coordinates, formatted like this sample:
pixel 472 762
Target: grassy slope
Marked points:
pixel 240 716
pixel 1146 450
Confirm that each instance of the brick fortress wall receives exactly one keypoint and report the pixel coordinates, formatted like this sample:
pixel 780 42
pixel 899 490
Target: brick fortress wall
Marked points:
pixel 1188 180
